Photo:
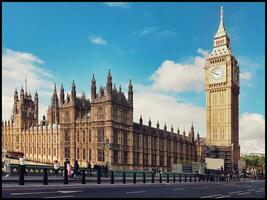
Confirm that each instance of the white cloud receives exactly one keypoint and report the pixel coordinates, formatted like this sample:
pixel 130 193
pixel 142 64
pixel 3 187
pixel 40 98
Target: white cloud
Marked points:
pixel 154 30
pixel 252 133
pixel 15 66
pixel 180 77
pixel 118 4
pixel 97 40
pixel 166 108
pixel 245 76
pixel 148 30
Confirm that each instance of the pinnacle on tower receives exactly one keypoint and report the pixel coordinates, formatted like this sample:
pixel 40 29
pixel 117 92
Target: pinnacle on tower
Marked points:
pixel 221 30
pixel 141 120
pixel 55 88
pixel 157 123
pixel 149 122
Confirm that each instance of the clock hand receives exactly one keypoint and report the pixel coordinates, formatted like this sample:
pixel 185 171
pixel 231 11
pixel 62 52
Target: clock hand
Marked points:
pixel 214 73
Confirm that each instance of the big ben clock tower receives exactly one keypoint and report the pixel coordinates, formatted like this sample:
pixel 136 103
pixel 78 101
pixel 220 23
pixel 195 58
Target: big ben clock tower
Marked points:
pixel 222 91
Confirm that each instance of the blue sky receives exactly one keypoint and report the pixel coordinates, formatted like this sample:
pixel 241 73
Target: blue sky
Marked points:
pixel 74 40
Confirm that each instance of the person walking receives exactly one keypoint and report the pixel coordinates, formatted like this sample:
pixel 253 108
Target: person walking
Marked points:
pixel 89 168
pixel 69 168
pixel 76 169
pixel 56 167
pixel 106 170
pixel 65 166
pixel 22 162
pixel 7 166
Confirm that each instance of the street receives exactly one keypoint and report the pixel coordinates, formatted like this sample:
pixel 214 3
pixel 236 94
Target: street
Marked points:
pixel 248 189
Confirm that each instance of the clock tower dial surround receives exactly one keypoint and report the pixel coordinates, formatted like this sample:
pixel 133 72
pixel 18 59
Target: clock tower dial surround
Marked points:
pixel 222 95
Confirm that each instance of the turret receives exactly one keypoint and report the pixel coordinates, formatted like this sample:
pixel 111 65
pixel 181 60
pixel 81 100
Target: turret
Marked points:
pixel 109 85
pixel 22 93
pixel 165 127
pixel 101 91
pixel 93 88
pixel 16 97
pixel 36 102
pixel 171 129
pixel 130 93
pixel 62 94
pixel 192 132
pixel 157 124
pixel 73 92
pixel 54 98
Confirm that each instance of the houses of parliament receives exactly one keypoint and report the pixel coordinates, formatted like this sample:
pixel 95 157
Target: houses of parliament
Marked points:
pixel 101 130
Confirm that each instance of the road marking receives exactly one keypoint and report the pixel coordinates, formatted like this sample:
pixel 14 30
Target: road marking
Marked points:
pixel 178 189
pixel 259 191
pixel 66 191
pixel 70 196
pixel 235 192
pixel 210 196
pixel 222 196
pixel 219 186
pixel 243 193
pixel 25 193
pixel 134 192
pixel 251 190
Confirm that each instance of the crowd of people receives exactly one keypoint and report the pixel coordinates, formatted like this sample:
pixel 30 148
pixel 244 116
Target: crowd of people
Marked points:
pixel 75 172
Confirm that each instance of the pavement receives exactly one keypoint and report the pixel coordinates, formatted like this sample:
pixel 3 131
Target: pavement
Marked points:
pixel 234 189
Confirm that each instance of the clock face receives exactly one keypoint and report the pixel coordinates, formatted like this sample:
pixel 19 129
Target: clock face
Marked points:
pixel 217 74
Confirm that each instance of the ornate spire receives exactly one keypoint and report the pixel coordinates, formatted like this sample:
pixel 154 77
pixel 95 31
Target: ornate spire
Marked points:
pixel 221 30
pixel 93 79
pixel 157 124
pixel 165 126
pixel 61 95
pixel 73 91
pixel 93 88
pixel 130 93
pixel 16 94
pixel 36 96
pixel 149 122
pixel 55 88
pixel 141 120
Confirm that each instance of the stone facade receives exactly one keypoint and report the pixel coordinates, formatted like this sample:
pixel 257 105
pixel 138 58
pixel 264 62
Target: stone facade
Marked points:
pixel 100 131
pixel 222 94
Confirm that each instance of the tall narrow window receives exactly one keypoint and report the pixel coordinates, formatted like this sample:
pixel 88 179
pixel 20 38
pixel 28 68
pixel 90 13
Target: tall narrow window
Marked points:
pixel 100 155
pixel 83 136
pixel 89 155
pixel 83 154
pixel 78 137
pixel 67 135
pixel 100 135
pixel 89 136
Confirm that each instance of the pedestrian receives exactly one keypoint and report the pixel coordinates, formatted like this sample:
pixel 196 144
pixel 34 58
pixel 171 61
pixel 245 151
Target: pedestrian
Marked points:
pixel 69 168
pixel 65 166
pixel 76 169
pixel 106 170
pixel 7 165
pixel 56 167
pixel 89 168
pixel 244 173
pixel 22 162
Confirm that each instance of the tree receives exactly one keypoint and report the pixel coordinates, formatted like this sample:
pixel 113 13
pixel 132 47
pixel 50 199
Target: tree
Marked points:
pixel 254 160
